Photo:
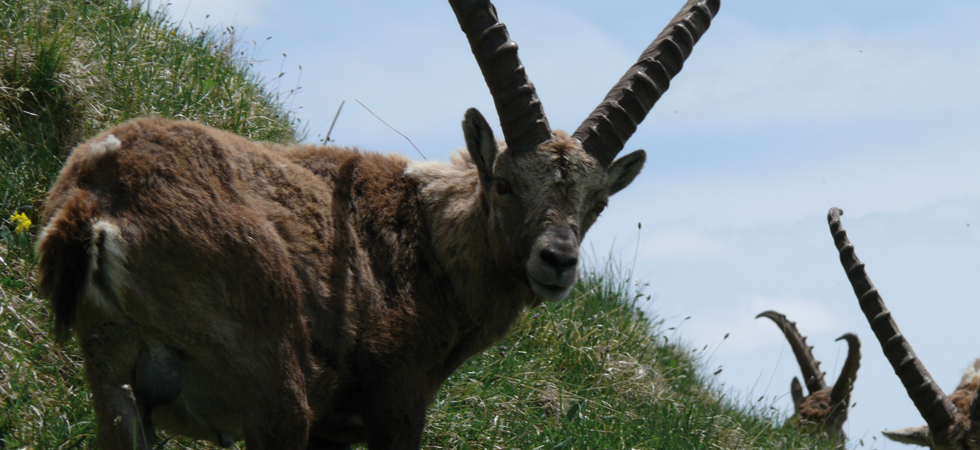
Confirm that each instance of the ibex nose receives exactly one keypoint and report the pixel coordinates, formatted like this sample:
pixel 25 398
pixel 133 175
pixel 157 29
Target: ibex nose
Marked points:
pixel 561 254
pixel 561 257
pixel 551 269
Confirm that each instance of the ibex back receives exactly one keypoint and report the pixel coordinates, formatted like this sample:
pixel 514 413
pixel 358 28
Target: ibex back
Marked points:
pixel 315 297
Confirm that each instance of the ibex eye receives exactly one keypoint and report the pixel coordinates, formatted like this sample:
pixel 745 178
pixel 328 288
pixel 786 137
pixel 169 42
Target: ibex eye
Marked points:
pixel 502 186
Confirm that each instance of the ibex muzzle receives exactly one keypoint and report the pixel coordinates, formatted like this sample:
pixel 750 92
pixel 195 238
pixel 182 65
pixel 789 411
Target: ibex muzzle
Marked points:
pixel 554 258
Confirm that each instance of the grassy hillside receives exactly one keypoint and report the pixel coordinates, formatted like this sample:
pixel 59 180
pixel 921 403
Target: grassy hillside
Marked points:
pixel 69 69
pixel 589 372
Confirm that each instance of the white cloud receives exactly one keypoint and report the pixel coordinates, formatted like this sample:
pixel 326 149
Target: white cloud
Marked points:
pixel 747 334
pixel 681 244
pixel 859 183
pixel 757 77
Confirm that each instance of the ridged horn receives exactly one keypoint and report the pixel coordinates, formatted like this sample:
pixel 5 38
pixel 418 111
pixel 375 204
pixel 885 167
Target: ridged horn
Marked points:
pixel 929 399
pixel 522 118
pixel 845 381
pixel 604 133
pixel 809 365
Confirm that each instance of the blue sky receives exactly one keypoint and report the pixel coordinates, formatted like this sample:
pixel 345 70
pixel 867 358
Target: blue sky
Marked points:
pixel 783 110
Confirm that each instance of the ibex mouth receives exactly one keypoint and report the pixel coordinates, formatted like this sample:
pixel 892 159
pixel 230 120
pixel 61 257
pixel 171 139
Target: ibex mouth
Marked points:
pixel 551 292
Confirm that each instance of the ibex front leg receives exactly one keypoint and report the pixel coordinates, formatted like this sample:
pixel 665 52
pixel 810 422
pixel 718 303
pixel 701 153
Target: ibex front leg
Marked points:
pixel 285 421
pixel 397 402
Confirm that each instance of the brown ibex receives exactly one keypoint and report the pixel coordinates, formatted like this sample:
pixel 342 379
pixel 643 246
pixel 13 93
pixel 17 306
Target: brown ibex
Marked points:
pixel 951 422
pixel 825 409
pixel 315 297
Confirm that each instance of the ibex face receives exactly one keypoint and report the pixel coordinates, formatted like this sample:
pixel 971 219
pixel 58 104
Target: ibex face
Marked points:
pixel 546 189
pixel 541 202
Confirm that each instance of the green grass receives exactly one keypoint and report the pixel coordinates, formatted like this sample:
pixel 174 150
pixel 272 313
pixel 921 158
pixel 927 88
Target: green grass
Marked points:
pixel 588 372
pixel 592 371
pixel 71 68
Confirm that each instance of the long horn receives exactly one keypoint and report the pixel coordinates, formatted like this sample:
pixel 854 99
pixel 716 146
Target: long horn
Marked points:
pixel 809 365
pixel 845 381
pixel 522 118
pixel 929 399
pixel 604 133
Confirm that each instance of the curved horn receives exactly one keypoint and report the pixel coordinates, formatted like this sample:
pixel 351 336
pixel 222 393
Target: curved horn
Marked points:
pixel 929 399
pixel 604 133
pixel 809 365
pixel 845 381
pixel 522 118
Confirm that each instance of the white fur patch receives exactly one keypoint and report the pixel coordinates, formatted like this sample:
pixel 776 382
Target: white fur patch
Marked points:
pixel 40 239
pixel 459 162
pixel 417 169
pixel 971 374
pixel 108 276
pixel 102 148
pixel 110 144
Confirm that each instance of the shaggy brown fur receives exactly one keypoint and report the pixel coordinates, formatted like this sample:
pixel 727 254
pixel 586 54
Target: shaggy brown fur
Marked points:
pixel 966 391
pixel 225 290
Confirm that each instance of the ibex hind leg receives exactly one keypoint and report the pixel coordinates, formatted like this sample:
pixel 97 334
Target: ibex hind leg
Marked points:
pixel 110 351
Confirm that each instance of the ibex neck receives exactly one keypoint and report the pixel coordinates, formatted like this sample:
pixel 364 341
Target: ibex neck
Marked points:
pixel 460 227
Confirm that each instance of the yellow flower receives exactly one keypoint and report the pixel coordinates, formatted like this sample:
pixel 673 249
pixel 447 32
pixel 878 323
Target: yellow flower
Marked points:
pixel 22 222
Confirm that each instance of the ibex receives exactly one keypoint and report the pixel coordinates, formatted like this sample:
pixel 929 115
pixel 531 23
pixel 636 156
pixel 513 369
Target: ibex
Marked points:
pixel 825 409
pixel 951 422
pixel 315 297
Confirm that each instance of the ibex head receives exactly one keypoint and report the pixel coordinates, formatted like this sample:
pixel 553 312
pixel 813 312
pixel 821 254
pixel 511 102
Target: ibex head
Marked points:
pixel 951 422
pixel 825 409
pixel 545 189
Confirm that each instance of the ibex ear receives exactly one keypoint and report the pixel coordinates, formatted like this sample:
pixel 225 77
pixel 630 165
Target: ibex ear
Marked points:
pixel 796 391
pixel 911 435
pixel 480 143
pixel 623 170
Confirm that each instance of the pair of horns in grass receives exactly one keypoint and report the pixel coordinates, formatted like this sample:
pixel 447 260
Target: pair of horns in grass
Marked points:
pixel 825 409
